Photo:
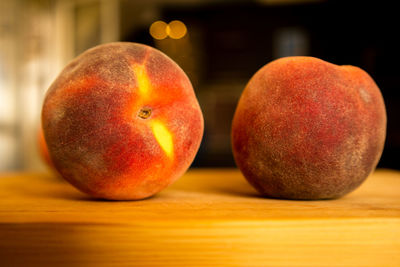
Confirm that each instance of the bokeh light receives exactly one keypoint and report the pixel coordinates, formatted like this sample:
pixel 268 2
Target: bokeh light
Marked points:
pixel 158 30
pixel 176 29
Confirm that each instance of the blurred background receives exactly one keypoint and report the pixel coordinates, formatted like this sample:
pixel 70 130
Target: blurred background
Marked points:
pixel 219 44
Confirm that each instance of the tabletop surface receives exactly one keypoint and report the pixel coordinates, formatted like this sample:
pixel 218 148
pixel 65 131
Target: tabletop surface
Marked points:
pixel 209 217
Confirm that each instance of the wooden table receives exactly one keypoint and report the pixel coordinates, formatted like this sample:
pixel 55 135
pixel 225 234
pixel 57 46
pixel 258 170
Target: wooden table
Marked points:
pixel 209 217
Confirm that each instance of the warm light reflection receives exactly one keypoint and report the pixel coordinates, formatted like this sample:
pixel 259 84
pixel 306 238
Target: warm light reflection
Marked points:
pixel 158 30
pixel 176 29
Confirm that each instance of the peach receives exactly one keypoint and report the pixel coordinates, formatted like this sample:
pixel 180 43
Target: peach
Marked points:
pixel 122 121
pixel 308 129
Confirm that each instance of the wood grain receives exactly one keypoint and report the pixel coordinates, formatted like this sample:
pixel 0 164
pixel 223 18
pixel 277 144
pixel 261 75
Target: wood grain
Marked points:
pixel 208 218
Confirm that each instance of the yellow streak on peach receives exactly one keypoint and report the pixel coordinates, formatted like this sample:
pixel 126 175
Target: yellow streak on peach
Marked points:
pixel 163 137
pixel 161 133
pixel 142 79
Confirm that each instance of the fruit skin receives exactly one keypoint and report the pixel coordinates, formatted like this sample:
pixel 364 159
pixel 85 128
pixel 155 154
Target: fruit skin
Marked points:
pixel 122 121
pixel 308 129
pixel 43 150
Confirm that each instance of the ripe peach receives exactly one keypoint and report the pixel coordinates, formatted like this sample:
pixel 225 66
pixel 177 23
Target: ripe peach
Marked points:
pixel 308 129
pixel 122 121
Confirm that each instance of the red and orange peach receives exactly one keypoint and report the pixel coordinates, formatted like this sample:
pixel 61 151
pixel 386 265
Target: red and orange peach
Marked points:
pixel 122 121
pixel 308 129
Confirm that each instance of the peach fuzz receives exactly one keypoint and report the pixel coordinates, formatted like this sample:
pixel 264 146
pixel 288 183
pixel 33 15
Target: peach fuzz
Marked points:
pixel 308 129
pixel 122 121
